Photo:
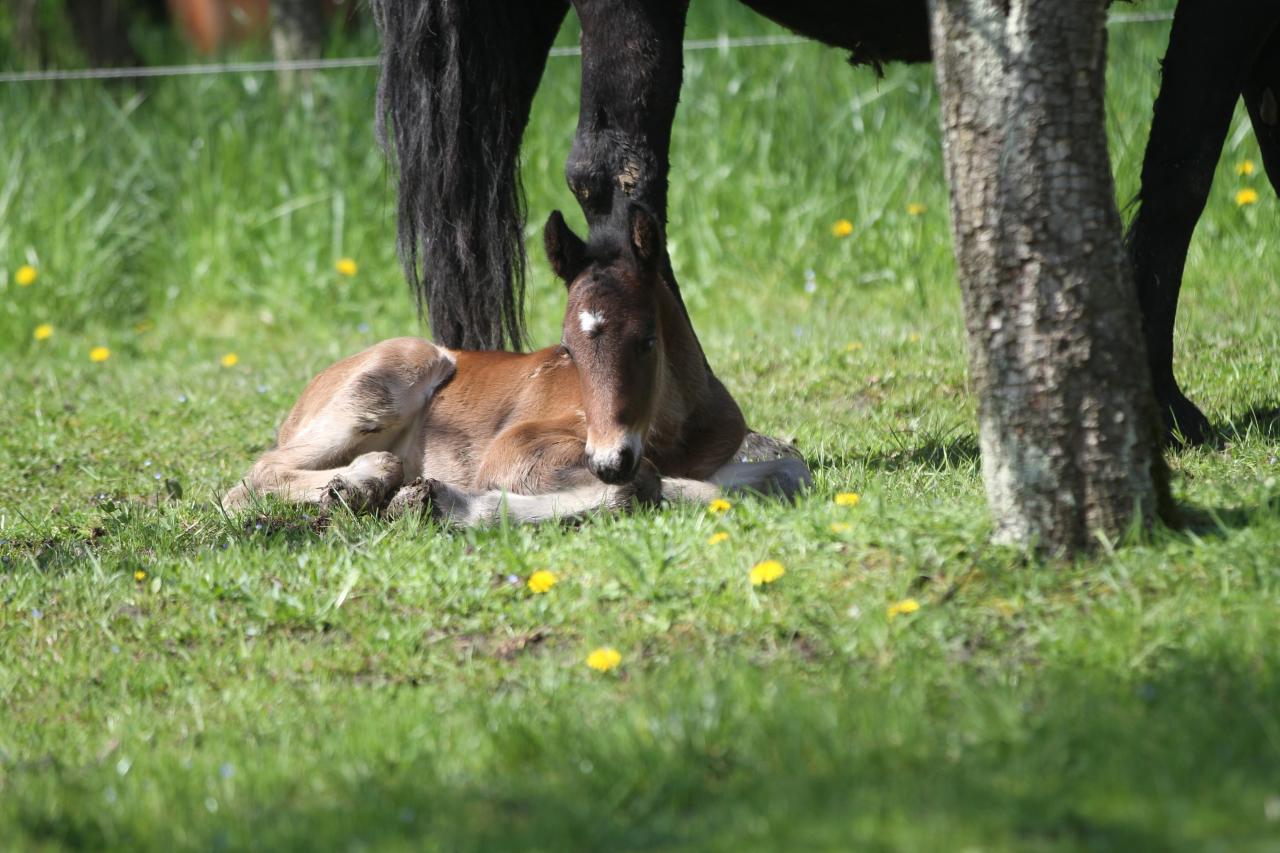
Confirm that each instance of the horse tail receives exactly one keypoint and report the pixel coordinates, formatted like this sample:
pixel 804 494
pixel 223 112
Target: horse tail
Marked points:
pixel 458 79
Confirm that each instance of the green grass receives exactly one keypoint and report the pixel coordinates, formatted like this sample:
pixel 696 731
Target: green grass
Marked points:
pixel 273 683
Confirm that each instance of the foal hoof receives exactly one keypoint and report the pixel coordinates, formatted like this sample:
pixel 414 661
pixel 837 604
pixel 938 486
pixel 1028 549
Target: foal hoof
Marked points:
pixel 757 447
pixel 366 484
pixel 413 499
pixel 341 492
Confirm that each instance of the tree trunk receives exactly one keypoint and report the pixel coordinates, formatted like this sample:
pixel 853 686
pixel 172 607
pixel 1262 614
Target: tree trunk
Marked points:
pixel 1068 424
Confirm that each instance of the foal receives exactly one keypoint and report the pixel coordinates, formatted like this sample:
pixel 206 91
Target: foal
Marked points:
pixel 624 410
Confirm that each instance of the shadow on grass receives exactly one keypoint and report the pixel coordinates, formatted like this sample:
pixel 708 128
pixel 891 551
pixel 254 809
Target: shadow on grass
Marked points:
pixel 940 454
pixel 729 757
pixel 1262 420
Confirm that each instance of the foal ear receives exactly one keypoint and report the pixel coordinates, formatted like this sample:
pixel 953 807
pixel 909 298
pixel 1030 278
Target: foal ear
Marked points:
pixel 646 236
pixel 565 250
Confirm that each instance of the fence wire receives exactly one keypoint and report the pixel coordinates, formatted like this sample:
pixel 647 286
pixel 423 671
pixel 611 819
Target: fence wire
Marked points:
pixel 277 66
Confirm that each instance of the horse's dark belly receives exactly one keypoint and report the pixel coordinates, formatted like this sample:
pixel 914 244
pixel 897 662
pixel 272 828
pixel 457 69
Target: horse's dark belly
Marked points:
pixel 873 31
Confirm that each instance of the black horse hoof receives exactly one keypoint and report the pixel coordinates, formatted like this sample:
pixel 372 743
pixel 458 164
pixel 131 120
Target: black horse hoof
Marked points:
pixel 1184 423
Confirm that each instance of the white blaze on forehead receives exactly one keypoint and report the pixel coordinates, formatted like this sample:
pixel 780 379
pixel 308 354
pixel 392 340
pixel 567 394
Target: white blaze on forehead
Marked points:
pixel 590 321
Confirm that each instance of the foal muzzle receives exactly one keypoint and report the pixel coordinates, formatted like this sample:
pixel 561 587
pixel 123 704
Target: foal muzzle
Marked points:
pixel 619 463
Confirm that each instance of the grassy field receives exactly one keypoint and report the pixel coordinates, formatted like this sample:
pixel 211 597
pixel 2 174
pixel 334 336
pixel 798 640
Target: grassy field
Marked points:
pixel 172 678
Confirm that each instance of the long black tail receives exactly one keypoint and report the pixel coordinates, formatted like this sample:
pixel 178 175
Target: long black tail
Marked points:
pixel 458 78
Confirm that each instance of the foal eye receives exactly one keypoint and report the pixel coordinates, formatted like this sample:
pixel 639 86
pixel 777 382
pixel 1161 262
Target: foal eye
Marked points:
pixel 648 343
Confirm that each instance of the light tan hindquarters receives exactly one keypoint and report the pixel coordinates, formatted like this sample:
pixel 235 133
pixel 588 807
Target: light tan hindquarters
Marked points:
pixel 354 436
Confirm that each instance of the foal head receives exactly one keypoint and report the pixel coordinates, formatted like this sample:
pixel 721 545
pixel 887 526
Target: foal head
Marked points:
pixel 613 332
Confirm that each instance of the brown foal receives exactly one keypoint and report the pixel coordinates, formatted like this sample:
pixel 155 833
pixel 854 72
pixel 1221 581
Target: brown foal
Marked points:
pixel 625 410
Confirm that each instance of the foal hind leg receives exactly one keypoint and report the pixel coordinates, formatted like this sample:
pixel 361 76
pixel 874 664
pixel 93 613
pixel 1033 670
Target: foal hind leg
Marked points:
pixel 367 482
pixel 1201 80
pixel 336 446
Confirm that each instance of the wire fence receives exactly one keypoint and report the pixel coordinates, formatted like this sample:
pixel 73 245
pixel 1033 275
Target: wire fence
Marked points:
pixel 278 66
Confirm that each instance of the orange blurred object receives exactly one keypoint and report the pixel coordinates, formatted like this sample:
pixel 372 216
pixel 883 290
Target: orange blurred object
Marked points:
pixel 209 24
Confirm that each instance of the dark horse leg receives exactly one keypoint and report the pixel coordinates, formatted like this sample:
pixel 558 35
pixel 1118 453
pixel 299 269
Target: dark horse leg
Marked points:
pixel 1262 97
pixel 1203 76
pixel 458 78
pixel 632 68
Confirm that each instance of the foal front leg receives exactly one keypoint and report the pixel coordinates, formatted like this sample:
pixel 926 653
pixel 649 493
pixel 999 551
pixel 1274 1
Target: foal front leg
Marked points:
pixel 531 473
pixel 784 478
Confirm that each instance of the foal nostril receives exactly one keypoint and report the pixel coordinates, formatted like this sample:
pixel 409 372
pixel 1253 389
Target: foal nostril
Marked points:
pixel 616 467
pixel 626 461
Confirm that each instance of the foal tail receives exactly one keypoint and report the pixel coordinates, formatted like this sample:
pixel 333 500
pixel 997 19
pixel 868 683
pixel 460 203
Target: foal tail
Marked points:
pixel 458 78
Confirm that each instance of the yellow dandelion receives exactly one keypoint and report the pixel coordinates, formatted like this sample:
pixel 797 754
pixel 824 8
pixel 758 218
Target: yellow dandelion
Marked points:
pixel 719 505
pixel 604 659
pixel 853 347
pixel 913 338
pixel 766 572
pixel 1248 195
pixel 229 360
pixel 915 208
pixel 842 228
pixel 26 275
pixel 346 266
pixel 42 332
pixel 1244 168
pixel 541 581
pixel 139 575
pixel 900 608
pixel 717 537
pixel 840 527
pixel 99 354
pixel 848 499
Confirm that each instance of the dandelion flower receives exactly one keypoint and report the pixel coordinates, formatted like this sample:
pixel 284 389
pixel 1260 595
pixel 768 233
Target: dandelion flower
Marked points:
pixel 229 360
pixel 853 347
pixel 766 572
pixel 346 266
pixel 99 354
pixel 604 659
pixel 42 332
pixel 842 228
pixel 541 581
pixel 914 338
pixel 139 575
pixel 1244 168
pixel 840 527
pixel 717 537
pixel 718 506
pixel 1248 195
pixel 915 208
pixel 848 499
pixel 26 275
pixel 900 608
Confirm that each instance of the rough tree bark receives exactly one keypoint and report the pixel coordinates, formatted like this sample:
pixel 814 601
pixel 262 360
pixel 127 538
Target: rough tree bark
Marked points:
pixel 1068 425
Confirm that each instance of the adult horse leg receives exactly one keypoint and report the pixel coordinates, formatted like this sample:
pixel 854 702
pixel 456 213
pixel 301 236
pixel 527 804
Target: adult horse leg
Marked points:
pixel 1206 67
pixel 458 78
pixel 1262 97
pixel 632 68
